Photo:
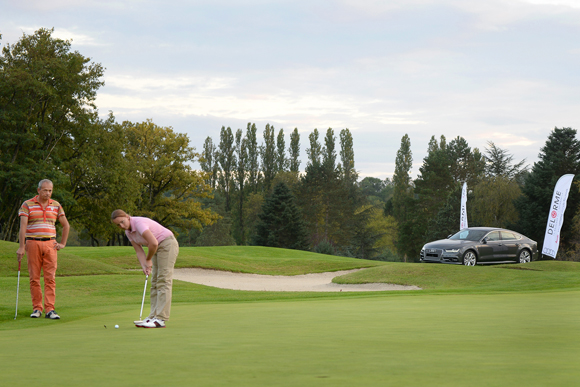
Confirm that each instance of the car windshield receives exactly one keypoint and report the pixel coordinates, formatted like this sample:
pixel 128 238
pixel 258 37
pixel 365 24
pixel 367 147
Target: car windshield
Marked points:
pixel 468 235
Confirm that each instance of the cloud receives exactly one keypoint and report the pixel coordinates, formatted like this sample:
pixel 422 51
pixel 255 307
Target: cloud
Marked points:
pixel 78 39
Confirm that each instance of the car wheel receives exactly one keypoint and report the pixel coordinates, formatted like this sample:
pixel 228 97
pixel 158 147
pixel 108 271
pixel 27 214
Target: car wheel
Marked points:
pixel 469 258
pixel 524 256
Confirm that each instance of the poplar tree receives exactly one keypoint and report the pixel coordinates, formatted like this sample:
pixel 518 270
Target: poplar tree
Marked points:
pixel 208 162
pixel 294 151
pixel 253 158
pixel 403 203
pixel 240 178
pixel 349 174
pixel 227 161
pixel 268 153
pixel 281 161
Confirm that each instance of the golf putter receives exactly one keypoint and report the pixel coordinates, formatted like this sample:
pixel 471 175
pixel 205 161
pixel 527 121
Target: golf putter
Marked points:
pixel 17 290
pixel 142 302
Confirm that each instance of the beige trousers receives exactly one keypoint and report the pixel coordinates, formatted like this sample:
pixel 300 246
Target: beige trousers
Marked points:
pixel 162 278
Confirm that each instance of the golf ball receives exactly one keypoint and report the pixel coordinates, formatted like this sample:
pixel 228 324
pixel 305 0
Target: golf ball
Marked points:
pixel 116 326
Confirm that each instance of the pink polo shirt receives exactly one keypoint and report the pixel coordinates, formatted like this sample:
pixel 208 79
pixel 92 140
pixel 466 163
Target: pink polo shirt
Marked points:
pixel 140 224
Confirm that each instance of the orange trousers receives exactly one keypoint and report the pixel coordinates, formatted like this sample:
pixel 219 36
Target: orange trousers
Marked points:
pixel 42 255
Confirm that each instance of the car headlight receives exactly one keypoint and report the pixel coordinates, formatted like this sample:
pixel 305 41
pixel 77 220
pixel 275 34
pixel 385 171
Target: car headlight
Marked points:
pixel 451 250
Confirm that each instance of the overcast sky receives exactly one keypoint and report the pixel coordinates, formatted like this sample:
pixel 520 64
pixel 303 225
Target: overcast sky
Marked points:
pixel 505 71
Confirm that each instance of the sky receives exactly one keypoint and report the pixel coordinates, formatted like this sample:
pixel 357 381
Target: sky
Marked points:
pixel 505 71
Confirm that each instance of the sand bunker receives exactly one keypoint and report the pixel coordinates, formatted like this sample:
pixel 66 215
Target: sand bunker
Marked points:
pixel 320 282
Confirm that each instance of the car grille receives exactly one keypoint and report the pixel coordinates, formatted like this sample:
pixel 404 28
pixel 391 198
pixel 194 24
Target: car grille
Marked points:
pixel 431 254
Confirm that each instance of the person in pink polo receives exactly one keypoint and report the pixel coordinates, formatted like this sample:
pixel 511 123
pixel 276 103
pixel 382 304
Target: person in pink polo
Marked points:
pixel 162 250
pixel 37 238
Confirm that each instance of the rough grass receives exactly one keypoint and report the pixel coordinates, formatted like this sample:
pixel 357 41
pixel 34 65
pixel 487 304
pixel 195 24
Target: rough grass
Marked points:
pixel 541 275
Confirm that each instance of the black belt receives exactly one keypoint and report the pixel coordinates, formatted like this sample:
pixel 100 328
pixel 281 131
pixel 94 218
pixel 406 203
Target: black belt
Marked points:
pixel 41 239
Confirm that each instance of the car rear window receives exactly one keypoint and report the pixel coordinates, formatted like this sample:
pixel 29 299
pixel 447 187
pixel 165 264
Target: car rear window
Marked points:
pixel 468 235
pixel 509 236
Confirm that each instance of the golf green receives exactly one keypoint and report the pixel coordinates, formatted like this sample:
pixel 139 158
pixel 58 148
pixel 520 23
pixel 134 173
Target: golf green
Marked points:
pixel 501 339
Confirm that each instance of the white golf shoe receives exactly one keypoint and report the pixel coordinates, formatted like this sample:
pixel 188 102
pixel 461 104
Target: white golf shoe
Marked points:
pixel 139 323
pixel 154 323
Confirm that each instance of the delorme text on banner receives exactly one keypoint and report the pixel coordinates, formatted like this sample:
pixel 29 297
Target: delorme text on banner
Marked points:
pixel 463 215
pixel 556 215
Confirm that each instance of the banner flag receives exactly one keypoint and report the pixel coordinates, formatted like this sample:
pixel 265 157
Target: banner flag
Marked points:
pixel 556 215
pixel 463 215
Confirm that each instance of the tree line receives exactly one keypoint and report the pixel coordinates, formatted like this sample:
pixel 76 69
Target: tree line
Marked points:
pixel 250 191
pixel 264 198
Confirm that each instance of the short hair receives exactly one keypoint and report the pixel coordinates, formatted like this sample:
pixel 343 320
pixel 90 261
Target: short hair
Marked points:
pixel 119 213
pixel 41 182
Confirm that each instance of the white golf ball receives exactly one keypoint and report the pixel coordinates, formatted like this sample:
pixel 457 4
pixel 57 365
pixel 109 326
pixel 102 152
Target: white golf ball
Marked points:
pixel 116 326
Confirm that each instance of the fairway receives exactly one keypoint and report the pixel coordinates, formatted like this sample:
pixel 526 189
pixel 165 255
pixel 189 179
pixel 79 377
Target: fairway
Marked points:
pixel 432 340
pixel 506 325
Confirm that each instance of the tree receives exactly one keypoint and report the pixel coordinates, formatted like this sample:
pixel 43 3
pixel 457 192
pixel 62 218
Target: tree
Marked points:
pixel 281 223
pixel 493 201
pixel 99 178
pixel 268 153
pixel 240 174
pixel 47 94
pixel 402 203
pixel 349 174
pixel 209 163
pixel 467 166
pixel 559 156
pixel 402 183
pixel 227 160
pixel 170 189
pixel 499 163
pixel 294 151
pixel 364 235
pixel 281 162
pixel 217 234
pixel 314 151
pixel 254 175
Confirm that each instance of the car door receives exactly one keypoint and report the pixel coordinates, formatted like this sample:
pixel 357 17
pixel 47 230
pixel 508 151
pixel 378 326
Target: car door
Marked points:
pixel 492 250
pixel 511 244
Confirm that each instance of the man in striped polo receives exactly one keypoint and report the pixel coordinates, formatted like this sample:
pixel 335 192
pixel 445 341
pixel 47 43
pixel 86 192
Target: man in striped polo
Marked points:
pixel 37 238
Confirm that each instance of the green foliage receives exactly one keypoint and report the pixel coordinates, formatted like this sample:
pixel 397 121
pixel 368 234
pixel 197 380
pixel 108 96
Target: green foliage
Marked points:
pixel 170 189
pixel 209 163
pixel 47 95
pixel 324 247
pixel 493 202
pixel 281 161
pixel 268 157
pixel 227 161
pixel 99 178
pixel 499 163
pixel 281 223
pixel 559 156
pixel 217 234
pixel 254 174
pixel 446 222
pixel 294 151
pixel 242 164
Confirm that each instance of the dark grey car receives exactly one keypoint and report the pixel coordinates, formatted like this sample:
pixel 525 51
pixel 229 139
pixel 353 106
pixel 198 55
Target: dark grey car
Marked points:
pixel 481 245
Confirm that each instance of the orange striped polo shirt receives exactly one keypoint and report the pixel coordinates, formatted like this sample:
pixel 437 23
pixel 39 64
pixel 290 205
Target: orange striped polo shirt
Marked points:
pixel 41 221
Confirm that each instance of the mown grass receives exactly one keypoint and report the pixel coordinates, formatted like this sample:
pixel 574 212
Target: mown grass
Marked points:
pixel 499 325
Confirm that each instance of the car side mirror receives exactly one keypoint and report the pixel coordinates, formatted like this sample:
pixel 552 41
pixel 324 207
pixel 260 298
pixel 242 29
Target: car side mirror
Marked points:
pixel 484 241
